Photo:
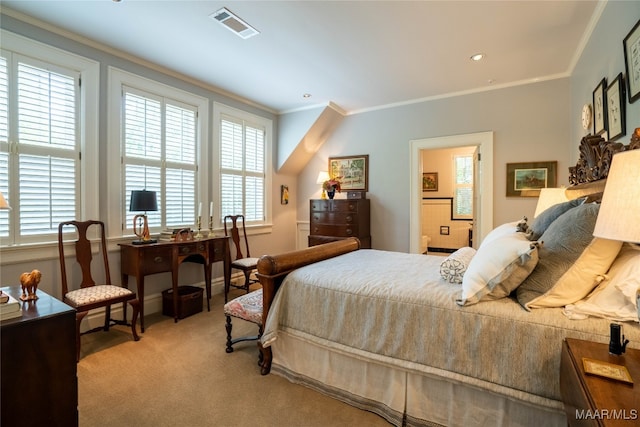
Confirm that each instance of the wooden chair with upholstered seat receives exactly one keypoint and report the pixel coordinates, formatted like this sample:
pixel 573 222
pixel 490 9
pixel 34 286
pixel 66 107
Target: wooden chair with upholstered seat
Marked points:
pixel 246 307
pixel 89 295
pixel 246 264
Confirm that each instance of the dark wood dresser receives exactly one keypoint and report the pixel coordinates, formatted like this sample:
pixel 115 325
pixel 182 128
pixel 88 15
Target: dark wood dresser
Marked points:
pixel 335 219
pixel 591 400
pixel 38 368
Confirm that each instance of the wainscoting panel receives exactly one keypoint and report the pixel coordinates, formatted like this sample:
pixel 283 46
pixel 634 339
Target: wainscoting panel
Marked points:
pixel 445 233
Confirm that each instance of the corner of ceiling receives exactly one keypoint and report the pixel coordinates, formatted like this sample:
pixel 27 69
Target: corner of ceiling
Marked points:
pixel 302 133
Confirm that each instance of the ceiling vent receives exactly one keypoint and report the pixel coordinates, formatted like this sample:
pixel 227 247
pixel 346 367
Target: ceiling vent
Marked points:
pixel 233 23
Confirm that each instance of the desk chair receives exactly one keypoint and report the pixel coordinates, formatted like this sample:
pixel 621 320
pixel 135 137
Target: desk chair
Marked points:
pixel 90 296
pixel 245 264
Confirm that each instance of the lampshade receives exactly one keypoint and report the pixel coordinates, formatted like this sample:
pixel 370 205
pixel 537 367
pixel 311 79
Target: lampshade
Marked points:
pixel 3 202
pixel 143 200
pixel 322 177
pixel 618 214
pixel 549 197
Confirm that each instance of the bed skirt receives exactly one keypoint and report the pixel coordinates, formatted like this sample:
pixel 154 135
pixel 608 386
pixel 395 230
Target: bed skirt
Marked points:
pixel 404 397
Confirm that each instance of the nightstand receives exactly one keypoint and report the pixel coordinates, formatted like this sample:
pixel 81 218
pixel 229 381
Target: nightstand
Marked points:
pixel 591 400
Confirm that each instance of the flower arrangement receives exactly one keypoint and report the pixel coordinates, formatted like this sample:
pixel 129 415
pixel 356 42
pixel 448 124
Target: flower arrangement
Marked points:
pixel 332 184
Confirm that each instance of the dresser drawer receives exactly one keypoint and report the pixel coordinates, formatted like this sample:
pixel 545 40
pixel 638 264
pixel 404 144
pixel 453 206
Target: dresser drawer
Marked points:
pixel 336 218
pixel 335 230
pixel 193 248
pixel 216 249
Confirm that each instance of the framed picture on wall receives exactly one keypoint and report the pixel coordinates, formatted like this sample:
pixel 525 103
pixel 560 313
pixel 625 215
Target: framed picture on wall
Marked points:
pixel 616 108
pixel 430 181
pixel 631 45
pixel 600 108
pixel 527 179
pixel 352 170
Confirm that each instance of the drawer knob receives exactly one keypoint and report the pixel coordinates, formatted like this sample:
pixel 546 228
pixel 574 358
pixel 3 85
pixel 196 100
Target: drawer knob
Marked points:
pixel 157 259
pixel 349 231
pixel 349 218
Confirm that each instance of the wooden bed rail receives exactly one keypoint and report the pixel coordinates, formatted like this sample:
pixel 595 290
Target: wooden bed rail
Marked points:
pixel 272 269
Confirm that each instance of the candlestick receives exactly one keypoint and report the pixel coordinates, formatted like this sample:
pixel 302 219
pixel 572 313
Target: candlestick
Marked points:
pixel 199 224
pixel 211 226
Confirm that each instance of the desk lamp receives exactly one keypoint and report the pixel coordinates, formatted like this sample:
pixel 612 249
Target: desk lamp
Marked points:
pixel 142 200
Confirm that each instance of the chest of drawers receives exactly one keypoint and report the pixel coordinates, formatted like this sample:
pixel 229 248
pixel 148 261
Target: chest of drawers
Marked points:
pixel 335 219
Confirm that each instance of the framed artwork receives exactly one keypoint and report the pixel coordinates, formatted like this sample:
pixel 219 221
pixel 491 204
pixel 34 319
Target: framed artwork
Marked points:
pixel 631 45
pixel 430 181
pixel 444 230
pixel 284 194
pixel 353 170
pixel 527 179
pixel 600 108
pixel 615 108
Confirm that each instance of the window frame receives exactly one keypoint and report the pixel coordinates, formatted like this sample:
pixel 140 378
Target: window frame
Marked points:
pixel 88 131
pixel 220 110
pixel 454 214
pixel 117 79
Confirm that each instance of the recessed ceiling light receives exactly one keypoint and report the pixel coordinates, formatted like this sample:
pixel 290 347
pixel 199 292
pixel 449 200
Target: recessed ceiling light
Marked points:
pixel 233 23
pixel 477 56
pixel 306 95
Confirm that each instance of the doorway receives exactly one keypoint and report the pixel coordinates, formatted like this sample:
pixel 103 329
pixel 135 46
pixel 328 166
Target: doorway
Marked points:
pixel 483 185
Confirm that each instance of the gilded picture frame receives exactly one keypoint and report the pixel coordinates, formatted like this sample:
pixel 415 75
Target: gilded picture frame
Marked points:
pixel 352 170
pixel 430 181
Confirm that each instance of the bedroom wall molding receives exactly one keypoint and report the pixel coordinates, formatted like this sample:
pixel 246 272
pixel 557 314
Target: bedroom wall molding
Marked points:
pixel 484 194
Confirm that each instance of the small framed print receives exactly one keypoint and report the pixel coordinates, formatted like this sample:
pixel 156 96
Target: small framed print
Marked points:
pixel 616 108
pixel 527 179
pixel 444 230
pixel 631 45
pixel 600 108
pixel 430 181
pixel 284 194
pixel 607 370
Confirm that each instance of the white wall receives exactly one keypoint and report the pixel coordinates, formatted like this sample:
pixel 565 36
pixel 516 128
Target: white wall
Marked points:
pixel 603 56
pixel 531 123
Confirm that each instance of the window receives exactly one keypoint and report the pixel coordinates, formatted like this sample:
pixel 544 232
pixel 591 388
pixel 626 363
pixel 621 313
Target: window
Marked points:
pixel 463 187
pixel 42 139
pixel 244 153
pixel 160 144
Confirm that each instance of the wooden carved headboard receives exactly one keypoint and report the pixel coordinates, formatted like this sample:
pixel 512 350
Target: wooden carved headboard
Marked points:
pixel 588 176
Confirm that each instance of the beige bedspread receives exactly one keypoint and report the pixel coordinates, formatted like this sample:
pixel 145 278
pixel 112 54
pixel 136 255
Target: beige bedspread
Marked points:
pixel 394 308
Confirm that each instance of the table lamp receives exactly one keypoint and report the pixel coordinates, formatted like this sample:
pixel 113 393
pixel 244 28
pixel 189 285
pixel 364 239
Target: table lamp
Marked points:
pixel 549 197
pixel 618 214
pixel 142 200
pixel 3 202
pixel 322 177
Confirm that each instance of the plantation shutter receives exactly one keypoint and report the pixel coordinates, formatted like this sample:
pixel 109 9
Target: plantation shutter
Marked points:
pixel 160 155
pixel 242 162
pixel 463 195
pixel 42 161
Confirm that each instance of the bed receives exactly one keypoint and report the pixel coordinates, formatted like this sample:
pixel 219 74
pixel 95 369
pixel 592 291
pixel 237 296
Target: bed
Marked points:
pixel 389 333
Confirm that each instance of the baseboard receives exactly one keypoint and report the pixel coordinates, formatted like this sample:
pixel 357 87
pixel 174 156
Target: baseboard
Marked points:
pixel 152 304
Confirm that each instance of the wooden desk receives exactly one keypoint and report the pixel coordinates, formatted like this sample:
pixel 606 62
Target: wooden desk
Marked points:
pixel 166 257
pixel 591 400
pixel 38 369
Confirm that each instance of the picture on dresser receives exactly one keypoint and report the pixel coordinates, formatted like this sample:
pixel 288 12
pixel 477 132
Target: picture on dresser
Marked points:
pixel 353 171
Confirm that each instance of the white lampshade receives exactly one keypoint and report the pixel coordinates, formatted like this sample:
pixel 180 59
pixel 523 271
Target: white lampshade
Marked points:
pixel 549 197
pixel 3 202
pixel 619 214
pixel 322 177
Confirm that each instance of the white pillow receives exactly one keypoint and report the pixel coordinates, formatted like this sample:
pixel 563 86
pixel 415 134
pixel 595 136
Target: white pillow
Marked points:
pixel 454 266
pixel 582 277
pixel 500 231
pixel 614 298
pixel 498 268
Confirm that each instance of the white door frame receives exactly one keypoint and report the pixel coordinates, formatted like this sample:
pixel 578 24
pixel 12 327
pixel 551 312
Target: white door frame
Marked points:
pixel 484 189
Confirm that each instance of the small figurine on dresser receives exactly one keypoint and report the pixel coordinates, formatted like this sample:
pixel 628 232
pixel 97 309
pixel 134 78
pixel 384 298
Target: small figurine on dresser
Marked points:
pixel 29 282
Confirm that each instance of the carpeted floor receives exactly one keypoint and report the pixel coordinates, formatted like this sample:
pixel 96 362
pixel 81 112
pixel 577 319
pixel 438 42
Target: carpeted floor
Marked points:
pixel 180 375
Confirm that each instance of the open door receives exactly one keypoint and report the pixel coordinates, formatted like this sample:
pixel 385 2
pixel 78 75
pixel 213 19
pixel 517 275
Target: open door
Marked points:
pixel 477 202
